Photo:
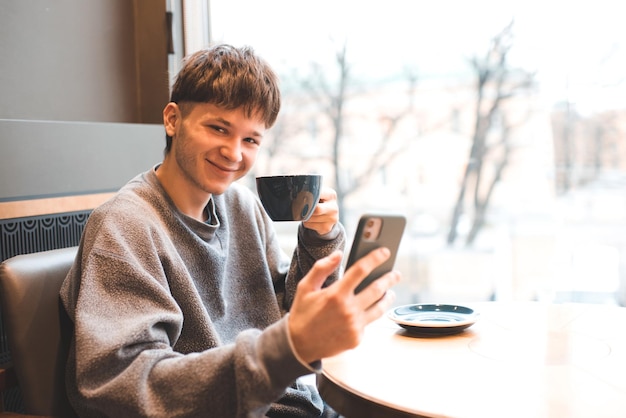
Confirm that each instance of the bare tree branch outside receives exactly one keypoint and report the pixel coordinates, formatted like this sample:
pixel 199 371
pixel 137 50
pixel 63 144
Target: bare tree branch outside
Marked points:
pixel 496 83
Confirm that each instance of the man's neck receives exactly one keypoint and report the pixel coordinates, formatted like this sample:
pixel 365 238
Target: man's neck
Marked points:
pixel 185 200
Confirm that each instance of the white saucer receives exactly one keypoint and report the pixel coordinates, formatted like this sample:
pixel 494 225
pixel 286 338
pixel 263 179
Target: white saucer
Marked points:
pixel 433 319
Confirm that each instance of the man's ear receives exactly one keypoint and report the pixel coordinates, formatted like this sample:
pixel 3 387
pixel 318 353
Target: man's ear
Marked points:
pixel 171 118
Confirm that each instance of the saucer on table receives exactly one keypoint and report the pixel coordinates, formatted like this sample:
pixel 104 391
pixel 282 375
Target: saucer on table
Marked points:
pixel 433 319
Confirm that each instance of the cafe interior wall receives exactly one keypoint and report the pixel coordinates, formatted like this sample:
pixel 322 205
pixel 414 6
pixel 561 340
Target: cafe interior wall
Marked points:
pixel 83 86
pixel 74 72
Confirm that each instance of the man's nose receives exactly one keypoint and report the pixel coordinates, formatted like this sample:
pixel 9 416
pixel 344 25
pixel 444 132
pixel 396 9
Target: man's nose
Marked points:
pixel 232 150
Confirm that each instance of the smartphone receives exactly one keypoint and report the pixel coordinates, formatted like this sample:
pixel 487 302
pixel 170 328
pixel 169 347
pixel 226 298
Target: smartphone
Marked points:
pixel 374 231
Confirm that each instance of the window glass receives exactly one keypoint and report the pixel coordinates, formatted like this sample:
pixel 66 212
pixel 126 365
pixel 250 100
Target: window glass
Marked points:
pixel 496 127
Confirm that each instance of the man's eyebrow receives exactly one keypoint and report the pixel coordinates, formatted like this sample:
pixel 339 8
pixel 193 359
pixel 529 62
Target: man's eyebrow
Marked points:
pixel 224 121
pixel 227 123
pixel 257 134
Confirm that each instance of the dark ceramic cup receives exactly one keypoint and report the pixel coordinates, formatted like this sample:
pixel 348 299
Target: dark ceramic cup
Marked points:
pixel 290 197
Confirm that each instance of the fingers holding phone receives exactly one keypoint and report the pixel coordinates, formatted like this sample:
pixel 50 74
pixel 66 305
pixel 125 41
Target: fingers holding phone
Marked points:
pixel 325 321
pixel 363 268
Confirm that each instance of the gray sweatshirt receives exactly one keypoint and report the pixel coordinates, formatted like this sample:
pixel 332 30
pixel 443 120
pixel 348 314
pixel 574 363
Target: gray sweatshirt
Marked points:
pixel 175 317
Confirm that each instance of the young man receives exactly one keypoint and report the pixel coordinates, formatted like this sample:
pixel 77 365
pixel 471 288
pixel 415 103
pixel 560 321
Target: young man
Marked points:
pixel 181 300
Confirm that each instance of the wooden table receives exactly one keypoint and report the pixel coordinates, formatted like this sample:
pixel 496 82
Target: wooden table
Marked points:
pixel 518 360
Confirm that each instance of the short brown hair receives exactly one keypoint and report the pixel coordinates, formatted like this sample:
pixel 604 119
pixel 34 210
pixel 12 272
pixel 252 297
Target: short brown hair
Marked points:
pixel 231 78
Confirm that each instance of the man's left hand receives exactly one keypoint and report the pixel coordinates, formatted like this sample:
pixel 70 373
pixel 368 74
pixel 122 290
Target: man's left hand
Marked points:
pixel 326 213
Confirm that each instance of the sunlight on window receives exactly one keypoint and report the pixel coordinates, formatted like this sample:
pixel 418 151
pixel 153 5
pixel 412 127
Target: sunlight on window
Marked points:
pixel 497 128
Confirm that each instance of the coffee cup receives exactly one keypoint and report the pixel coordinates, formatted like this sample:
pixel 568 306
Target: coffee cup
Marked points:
pixel 289 197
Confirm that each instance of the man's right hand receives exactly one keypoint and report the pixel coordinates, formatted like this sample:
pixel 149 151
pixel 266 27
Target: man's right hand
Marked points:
pixel 326 321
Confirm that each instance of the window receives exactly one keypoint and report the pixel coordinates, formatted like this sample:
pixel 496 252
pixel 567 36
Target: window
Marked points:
pixel 521 194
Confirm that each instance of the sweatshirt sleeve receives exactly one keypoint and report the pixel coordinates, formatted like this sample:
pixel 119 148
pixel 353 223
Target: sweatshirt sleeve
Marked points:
pixel 123 361
pixel 310 248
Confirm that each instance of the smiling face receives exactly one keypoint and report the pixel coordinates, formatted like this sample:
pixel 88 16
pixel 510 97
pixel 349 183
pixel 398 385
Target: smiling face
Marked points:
pixel 211 148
